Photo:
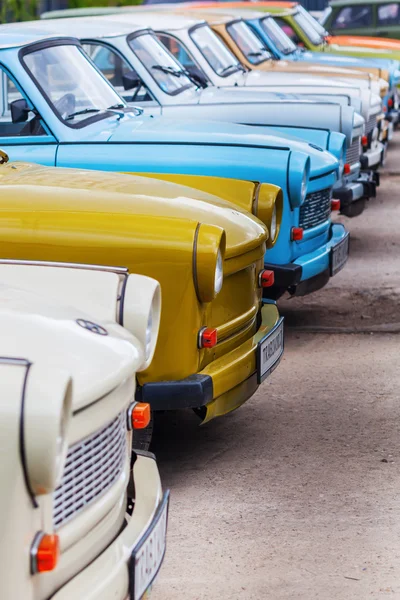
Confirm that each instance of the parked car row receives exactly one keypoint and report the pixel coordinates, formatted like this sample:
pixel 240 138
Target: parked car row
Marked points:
pixel 166 175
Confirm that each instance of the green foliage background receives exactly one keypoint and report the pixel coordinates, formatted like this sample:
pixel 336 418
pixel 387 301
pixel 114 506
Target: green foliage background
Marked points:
pixel 24 10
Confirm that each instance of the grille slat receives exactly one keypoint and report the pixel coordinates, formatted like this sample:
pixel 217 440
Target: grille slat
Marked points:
pixel 354 151
pixel 92 466
pixel 316 209
pixel 370 124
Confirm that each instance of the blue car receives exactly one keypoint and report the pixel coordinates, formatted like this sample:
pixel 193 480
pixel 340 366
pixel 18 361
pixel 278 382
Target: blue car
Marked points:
pixel 58 109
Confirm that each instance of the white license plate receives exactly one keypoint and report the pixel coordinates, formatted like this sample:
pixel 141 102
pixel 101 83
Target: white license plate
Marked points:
pixel 269 351
pixel 339 255
pixel 148 555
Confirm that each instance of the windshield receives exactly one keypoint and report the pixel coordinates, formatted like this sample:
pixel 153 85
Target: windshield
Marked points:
pixel 307 27
pixel 220 59
pixel 165 70
pixel 74 88
pixel 247 41
pixel 278 37
pixel 313 22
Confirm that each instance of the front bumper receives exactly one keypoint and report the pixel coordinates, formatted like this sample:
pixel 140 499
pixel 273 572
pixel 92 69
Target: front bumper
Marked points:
pixel 372 158
pixel 223 385
pixel 309 272
pixel 354 194
pixel 108 576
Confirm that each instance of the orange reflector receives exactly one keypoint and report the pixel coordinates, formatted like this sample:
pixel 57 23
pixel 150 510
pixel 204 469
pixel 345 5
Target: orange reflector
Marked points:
pixel 266 278
pixel 390 102
pixel 347 169
pixel 207 337
pixel 384 108
pixel 140 415
pixel 45 553
pixel 364 140
pixel 297 234
pixel 335 204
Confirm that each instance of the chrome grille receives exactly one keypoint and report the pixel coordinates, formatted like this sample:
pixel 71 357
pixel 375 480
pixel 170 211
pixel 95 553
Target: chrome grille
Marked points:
pixel 92 466
pixel 370 124
pixel 316 209
pixel 353 153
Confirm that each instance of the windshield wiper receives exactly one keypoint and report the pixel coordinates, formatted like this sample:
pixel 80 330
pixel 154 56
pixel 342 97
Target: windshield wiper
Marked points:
pixel 232 69
pixel 255 54
pixel 116 106
pixel 85 111
pixel 168 70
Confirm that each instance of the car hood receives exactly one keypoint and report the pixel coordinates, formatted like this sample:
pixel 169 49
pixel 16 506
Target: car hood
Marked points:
pixel 97 363
pixel 215 95
pixel 163 131
pixel 116 193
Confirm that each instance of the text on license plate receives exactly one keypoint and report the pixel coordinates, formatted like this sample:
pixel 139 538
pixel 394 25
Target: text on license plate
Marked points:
pixel 339 255
pixel 270 350
pixel 149 553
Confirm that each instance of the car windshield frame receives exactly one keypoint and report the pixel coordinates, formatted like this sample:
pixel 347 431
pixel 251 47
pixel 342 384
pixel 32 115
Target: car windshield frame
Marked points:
pixel 159 75
pixel 277 39
pixel 94 113
pixel 308 29
pixel 313 22
pixel 242 30
pixel 233 61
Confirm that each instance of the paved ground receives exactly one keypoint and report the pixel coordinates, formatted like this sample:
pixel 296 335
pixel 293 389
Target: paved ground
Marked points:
pixel 296 495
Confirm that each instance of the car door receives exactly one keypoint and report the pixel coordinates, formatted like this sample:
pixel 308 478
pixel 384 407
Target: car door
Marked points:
pixel 357 19
pixel 23 134
pixel 388 20
pixel 122 76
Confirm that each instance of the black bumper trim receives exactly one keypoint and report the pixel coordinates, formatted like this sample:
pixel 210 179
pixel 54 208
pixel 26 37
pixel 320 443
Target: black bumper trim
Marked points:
pixel 192 392
pixel 308 286
pixel 286 276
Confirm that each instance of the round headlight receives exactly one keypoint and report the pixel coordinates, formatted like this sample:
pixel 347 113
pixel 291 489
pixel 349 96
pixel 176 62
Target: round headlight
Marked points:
pixel 46 418
pixel 274 228
pixel 208 261
pixel 219 274
pixel 140 313
pixel 299 174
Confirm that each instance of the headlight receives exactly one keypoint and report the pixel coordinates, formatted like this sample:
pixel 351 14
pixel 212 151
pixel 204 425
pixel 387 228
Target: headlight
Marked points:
pixel 268 207
pixel 337 147
pixel 208 260
pixel 219 274
pixel 299 174
pixel 140 312
pixel 46 418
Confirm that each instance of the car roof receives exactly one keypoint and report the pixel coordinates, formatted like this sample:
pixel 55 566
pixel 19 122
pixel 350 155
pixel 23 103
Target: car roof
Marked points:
pixel 83 27
pixel 17 35
pixel 159 20
pixel 355 2
pixel 221 14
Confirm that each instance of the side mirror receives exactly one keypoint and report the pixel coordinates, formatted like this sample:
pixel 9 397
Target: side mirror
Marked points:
pixel 131 80
pixel 19 110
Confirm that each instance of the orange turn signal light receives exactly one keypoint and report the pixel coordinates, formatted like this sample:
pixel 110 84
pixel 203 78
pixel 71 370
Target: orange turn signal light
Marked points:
pixel 390 103
pixel 266 278
pixel 347 169
pixel 297 234
pixel 139 415
pixel 207 337
pixel 364 140
pixel 45 552
pixel 335 204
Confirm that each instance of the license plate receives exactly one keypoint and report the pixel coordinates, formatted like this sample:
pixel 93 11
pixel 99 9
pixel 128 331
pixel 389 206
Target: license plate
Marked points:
pixel 269 351
pixel 148 554
pixel 339 255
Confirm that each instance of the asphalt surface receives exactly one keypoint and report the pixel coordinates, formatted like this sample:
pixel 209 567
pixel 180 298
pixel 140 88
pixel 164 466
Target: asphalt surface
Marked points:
pixel 296 494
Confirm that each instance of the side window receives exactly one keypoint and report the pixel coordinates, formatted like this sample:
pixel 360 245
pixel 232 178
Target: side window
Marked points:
pixel 15 117
pixel 388 14
pixel 288 29
pixel 353 17
pixel 118 72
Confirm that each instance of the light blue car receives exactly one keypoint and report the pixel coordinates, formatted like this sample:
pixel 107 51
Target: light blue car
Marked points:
pixel 282 47
pixel 58 109
pixel 144 73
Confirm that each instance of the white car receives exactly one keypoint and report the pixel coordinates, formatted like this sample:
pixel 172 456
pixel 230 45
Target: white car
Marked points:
pixel 82 516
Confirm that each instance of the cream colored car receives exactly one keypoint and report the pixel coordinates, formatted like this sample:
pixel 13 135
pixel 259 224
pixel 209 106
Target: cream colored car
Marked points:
pixel 82 516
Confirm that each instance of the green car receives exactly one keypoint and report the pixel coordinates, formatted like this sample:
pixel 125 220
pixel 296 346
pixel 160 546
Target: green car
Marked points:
pixel 307 32
pixel 378 18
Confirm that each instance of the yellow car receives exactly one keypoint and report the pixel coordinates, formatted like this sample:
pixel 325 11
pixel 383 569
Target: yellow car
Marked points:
pixel 217 339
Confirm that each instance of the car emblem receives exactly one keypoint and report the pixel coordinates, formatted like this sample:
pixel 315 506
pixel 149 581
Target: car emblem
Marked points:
pixel 93 327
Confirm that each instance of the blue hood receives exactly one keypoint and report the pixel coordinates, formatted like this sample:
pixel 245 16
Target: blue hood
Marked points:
pixel 161 130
